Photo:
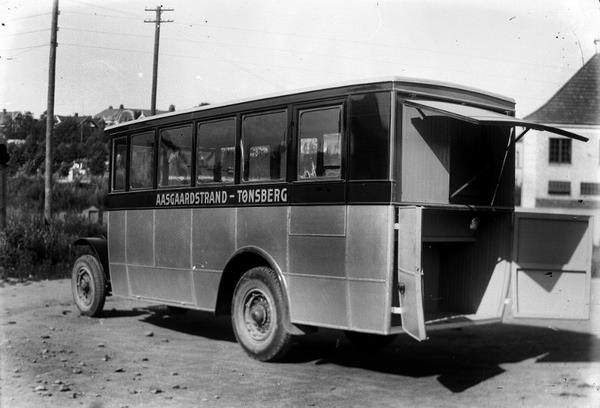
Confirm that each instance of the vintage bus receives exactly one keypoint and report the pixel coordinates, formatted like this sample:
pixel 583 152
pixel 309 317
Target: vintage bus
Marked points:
pixel 377 207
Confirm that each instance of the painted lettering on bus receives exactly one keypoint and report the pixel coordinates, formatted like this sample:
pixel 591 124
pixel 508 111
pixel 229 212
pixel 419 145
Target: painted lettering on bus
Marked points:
pixel 262 196
pixel 191 198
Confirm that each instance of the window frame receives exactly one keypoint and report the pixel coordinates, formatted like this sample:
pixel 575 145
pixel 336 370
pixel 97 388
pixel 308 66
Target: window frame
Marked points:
pixel 114 141
pixel 190 125
pixel 561 141
pixel 154 158
pixel 236 149
pixel 559 192
pixel 240 157
pixel 593 188
pixel 294 149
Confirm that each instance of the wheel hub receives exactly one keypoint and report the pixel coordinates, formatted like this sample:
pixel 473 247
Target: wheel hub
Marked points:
pixel 257 315
pixel 84 289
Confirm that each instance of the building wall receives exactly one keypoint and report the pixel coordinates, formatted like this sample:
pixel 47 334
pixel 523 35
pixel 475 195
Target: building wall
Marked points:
pixel 537 171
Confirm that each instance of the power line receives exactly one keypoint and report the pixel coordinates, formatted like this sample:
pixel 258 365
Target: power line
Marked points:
pixel 95 5
pixel 296 68
pixel 97 15
pixel 359 42
pixel 27 17
pixel 24 48
pixel 27 32
pixel 105 32
pixel 105 48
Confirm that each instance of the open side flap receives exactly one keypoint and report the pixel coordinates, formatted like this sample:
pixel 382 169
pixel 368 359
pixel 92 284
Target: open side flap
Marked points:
pixel 481 116
pixel 410 287
pixel 551 268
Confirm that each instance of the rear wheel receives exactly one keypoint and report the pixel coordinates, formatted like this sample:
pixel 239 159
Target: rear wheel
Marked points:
pixel 88 285
pixel 258 312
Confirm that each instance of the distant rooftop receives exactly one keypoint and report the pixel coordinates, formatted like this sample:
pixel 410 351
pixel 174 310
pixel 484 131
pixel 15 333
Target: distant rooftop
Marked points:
pixel 122 114
pixel 577 102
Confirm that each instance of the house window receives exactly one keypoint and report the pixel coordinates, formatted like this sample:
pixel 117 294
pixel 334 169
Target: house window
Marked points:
pixel 589 188
pixel 560 150
pixel 559 187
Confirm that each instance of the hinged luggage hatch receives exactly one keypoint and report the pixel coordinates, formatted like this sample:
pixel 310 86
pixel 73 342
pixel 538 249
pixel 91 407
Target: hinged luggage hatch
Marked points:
pixel 480 116
pixel 409 272
pixel 551 267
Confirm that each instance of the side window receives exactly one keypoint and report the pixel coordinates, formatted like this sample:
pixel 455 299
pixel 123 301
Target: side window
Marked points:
pixel 215 152
pixel 320 143
pixel 119 163
pixel 142 161
pixel 263 146
pixel 369 136
pixel 175 156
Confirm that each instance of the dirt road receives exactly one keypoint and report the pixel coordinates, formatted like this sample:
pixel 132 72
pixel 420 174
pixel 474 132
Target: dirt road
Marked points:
pixel 138 355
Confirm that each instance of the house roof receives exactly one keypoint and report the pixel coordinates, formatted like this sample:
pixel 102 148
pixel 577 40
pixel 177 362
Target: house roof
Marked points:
pixel 122 114
pixel 77 118
pixel 577 102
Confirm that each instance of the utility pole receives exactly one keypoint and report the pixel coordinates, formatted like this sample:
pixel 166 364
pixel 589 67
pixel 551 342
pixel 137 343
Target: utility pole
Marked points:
pixel 157 21
pixel 50 115
pixel 3 186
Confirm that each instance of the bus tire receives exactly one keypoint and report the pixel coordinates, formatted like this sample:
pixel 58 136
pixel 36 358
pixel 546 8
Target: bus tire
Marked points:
pixel 258 308
pixel 88 285
pixel 369 341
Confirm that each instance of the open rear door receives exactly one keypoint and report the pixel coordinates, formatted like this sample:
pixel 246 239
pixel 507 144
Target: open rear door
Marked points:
pixel 551 267
pixel 410 287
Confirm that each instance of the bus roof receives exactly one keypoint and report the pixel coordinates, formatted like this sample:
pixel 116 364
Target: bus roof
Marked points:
pixel 396 82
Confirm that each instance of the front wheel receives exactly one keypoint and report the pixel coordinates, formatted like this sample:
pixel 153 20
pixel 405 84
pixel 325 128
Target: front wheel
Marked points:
pixel 258 313
pixel 88 285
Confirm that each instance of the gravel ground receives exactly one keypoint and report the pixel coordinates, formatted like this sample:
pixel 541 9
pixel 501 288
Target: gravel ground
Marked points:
pixel 137 355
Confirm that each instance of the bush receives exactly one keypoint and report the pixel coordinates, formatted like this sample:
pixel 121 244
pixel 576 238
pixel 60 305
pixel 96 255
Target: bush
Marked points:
pixel 29 248
pixel 28 192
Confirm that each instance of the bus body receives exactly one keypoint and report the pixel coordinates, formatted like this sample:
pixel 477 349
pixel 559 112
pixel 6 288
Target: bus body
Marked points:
pixel 381 207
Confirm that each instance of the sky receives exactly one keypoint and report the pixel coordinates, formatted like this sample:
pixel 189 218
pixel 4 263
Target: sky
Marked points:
pixel 215 51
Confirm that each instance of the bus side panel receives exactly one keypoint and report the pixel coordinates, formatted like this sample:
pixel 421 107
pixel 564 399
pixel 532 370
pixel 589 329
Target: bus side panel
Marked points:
pixel 264 228
pixel 172 238
pixel 213 242
pixel 140 236
pixel 116 253
pixel 368 267
pixel 317 285
pixel 158 254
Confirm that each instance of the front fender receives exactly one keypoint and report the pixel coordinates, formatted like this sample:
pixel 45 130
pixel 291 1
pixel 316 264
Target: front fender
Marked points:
pixel 100 249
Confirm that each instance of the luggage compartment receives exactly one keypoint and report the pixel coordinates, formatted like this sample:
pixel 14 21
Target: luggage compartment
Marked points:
pixel 464 263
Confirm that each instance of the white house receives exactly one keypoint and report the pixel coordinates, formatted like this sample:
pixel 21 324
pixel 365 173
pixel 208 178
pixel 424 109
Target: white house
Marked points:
pixel 560 174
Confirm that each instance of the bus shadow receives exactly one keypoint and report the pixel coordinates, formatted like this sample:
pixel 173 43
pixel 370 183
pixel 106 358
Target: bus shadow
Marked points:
pixel 193 322
pixel 459 359
pixel 114 313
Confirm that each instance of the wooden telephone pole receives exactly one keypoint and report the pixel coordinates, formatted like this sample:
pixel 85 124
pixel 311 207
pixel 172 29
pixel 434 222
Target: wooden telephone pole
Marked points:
pixel 157 21
pixel 50 115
